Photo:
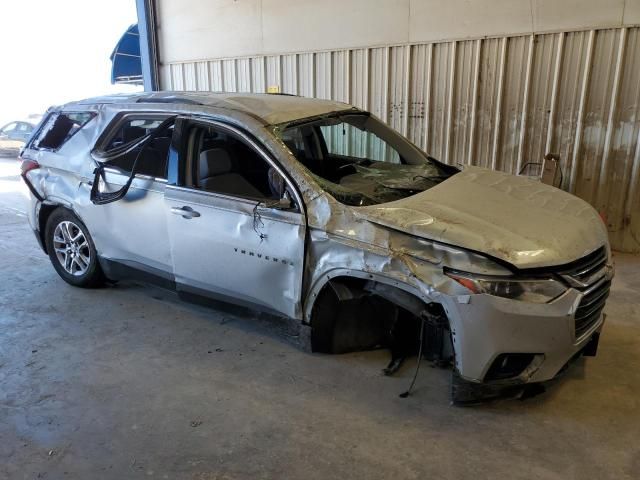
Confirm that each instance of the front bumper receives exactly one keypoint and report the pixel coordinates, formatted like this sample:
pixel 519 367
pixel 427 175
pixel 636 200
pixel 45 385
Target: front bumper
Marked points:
pixel 484 327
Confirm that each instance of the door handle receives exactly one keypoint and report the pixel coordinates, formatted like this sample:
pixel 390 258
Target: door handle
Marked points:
pixel 185 212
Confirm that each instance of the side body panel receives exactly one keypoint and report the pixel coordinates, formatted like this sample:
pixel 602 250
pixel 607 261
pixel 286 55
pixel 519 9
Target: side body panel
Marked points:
pixel 234 248
pixel 133 230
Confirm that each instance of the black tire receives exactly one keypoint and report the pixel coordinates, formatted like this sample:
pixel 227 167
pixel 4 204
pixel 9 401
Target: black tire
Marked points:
pixel 76 261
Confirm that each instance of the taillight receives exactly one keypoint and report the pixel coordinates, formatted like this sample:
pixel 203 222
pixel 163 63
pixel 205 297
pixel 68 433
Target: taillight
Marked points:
pixel 28 165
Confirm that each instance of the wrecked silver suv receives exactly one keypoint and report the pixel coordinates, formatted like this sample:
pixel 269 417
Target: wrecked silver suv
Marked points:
pixel 316 211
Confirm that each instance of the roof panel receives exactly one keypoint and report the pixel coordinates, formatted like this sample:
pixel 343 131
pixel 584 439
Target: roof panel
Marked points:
pixel 272 109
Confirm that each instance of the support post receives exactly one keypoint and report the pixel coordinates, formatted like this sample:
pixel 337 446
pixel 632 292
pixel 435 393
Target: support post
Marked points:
pixel 148 44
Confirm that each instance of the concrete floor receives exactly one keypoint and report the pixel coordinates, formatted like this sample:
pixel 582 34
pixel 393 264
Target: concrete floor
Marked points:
pixel 128 382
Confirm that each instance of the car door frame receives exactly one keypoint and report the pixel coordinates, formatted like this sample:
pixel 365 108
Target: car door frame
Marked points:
pixel 177 174
pixel 97 216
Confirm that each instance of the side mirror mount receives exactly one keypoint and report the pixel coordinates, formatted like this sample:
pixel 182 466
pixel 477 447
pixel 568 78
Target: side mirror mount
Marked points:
pixel 284 203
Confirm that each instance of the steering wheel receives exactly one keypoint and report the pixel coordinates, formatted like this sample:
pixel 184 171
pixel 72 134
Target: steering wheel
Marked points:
pixel 362 163
pixel 348 165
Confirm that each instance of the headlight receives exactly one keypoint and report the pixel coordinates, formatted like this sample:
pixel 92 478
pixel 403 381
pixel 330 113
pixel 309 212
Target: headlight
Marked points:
pixel 541 290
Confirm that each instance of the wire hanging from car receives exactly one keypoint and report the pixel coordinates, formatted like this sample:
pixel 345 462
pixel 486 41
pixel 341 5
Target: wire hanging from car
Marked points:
pixel 415 375
pixel 102 198
pixel 257 221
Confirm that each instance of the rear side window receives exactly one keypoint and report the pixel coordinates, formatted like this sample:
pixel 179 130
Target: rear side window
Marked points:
pixel 133 129
pixel 59 128
pixel 152 159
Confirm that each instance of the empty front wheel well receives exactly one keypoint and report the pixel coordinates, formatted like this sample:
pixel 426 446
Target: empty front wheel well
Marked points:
pixel 351 314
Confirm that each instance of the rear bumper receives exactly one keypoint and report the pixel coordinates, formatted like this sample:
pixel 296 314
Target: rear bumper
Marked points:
pixel 485 327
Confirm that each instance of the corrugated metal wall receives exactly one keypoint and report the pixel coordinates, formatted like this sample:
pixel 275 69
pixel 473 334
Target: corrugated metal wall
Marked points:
pixel 493 102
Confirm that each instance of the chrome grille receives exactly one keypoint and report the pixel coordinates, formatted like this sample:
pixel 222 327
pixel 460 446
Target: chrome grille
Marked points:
pixel 582 270
pixel 591 306
pixel 592 277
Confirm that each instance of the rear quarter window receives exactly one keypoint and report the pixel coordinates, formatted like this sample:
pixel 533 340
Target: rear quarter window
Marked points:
pixel 58 128
pixel 131 128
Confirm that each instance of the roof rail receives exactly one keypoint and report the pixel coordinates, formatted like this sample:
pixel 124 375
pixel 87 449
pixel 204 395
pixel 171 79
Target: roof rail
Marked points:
pixel 187 101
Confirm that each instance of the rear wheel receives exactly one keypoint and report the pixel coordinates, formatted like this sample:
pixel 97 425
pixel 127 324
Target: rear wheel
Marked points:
pixel 71 250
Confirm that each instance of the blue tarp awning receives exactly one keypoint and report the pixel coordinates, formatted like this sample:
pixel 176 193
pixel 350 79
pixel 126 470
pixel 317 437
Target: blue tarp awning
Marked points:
pixel 126 65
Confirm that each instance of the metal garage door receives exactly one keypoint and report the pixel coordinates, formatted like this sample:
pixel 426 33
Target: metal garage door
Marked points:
pixel 495 102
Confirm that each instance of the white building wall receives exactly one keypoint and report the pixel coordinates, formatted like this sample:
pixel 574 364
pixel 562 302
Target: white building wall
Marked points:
pixel 466 80
pixel 204 29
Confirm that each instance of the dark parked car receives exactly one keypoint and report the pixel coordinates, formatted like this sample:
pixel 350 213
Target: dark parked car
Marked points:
pixel 13 136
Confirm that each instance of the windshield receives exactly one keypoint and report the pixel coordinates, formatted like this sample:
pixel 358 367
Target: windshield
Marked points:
pixel 359 160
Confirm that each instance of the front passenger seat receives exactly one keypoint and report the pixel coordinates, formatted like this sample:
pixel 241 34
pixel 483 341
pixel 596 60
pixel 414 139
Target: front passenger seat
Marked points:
pixel 215 175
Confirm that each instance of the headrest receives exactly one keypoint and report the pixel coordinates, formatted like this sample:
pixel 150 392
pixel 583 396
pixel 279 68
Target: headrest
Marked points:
pixel 214 162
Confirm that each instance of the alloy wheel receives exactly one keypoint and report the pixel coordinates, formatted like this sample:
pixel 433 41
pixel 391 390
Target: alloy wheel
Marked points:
pixel 71 248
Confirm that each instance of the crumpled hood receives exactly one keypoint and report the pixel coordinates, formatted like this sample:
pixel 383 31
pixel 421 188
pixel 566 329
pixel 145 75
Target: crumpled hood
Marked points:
pixel 516 219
